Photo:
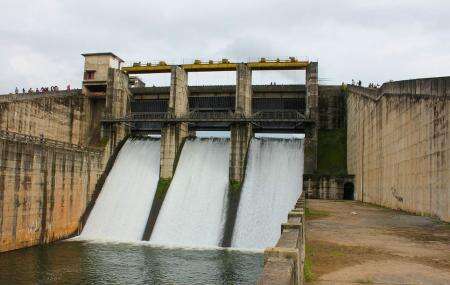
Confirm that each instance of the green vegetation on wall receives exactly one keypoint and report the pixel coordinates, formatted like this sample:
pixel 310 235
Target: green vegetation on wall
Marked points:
pixel 161 189
pixel 332 152
pixel 235 186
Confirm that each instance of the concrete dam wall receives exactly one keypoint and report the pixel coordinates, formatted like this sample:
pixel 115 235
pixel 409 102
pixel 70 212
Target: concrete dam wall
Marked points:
pixel 44 189
pixel 398 145
pixel 48 172
pixel 54 159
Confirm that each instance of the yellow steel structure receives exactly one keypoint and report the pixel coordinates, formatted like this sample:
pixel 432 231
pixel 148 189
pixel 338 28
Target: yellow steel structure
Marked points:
pixel 223 65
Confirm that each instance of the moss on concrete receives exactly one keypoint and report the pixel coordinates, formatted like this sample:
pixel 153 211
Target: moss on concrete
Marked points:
pixel 178 154
pixel 332 152
pixel 235 186
pixel 161 189
pixel 103 141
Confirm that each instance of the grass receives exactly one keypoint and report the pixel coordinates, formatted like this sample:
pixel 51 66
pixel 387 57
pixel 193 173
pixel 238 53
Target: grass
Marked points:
pixel 308 274
pixel 365 281
pixel 314 214
pixel 307 270
pixel 336 253
pixel 445 225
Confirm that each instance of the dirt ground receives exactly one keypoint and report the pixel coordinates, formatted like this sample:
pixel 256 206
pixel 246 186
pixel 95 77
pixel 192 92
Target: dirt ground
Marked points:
pixel 353 243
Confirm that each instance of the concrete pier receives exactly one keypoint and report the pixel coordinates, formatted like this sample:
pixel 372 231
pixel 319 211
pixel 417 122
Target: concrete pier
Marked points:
pixel 312 112
pixel 241 133
pixel 173 135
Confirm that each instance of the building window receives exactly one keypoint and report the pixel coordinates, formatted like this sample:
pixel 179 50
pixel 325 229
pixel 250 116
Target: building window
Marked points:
pixel 89 74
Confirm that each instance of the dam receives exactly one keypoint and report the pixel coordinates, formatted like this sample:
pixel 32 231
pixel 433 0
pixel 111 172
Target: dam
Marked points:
pixel 115 169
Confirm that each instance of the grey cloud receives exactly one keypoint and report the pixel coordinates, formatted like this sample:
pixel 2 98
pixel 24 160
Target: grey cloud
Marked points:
pixel 370 40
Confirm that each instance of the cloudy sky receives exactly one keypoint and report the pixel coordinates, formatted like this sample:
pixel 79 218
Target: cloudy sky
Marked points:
pixel 375 41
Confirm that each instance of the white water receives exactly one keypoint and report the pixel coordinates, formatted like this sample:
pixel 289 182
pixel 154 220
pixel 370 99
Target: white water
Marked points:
pixel 193 212
pixel 271 188
pixel 123 206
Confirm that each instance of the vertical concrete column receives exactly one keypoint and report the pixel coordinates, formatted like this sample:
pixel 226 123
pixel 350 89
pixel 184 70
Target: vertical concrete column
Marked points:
pixel 243 90
pixel 117 105
pixel 312 113
pixel 173 134
pixel 312 91
pixel 241 133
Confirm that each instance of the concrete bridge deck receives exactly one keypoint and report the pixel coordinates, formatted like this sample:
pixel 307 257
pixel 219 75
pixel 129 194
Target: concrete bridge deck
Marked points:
pixel 354 243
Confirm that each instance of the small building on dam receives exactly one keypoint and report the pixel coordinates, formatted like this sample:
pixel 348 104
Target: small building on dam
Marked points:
pixel 67 156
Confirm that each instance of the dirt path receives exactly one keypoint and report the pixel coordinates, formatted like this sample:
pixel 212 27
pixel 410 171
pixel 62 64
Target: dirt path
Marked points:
pixel 353 243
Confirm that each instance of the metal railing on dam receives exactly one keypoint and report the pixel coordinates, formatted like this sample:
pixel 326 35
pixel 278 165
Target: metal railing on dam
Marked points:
pixel 31 96
pixel 194 117
pixel 222 98
pixel 201 90
pixel 291 63
pixel 12 136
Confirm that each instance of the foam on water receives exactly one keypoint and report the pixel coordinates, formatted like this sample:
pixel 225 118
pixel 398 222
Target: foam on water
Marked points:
pixel 272 185
pixel 123 206
pixel 193 212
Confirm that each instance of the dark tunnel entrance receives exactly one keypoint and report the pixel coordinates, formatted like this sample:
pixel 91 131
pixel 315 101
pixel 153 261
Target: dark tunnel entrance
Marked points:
pixel 349 191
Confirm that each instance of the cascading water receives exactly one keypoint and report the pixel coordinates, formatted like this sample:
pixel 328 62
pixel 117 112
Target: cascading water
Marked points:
pixel 122 208
pixel 271 188
pixel 193 212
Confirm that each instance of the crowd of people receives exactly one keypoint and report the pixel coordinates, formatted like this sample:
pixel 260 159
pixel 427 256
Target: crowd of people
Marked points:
pixel 40 90
pixel 371 85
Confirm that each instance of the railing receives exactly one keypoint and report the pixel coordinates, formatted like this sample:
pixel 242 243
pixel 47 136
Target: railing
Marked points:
pixel 34 95
pixel 223 65
pixel 200 61
pixel 226 117
pixel 12 136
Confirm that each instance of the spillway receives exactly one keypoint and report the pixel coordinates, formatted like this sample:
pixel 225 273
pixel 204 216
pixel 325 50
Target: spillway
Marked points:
pixel 271 188
pixel 122 208
pixel 193 212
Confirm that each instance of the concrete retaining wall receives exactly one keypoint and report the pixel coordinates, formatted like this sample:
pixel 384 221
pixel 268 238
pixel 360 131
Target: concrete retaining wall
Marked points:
pixel 284 263
pixel 331 107
pixel 325 186
pixel 398 145
pixel 44 189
